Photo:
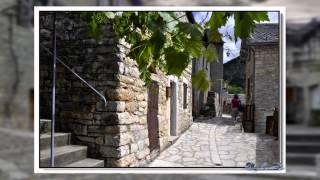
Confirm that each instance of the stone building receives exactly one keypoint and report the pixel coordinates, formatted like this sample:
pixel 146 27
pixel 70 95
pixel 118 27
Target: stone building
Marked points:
pixel 303 72
pixel 209 103
pixel 16 65
pixel 137 122
pixel 234 72
pixel 261 54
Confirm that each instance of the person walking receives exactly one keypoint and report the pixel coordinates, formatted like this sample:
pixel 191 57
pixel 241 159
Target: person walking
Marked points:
pixel 235 106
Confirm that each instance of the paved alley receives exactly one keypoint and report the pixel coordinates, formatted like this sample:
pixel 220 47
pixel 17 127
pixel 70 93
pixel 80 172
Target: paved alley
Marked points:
pixel 218 142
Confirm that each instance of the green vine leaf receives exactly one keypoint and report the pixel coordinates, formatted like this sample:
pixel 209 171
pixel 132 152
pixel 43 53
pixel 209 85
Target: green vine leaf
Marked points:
pixel 200 81
pixel 176 62
pixel 210 53
pixel 161 40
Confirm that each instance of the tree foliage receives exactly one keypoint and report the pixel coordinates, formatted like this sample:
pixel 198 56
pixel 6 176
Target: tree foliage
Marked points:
pixel 234 89
pixel 163 41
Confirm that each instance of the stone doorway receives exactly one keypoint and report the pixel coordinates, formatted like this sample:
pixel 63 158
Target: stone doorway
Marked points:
pixel 152 116
pixel 173 109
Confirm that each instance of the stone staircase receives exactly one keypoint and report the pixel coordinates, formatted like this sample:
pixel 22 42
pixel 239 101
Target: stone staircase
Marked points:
pixel 303 148
pixel 303 144
pixel 66 155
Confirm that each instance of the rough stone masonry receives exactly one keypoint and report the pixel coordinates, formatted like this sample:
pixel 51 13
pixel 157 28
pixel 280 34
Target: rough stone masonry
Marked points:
pixel 117 133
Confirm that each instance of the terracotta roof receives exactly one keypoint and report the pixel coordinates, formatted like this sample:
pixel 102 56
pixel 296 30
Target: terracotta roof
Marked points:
pixel 265 33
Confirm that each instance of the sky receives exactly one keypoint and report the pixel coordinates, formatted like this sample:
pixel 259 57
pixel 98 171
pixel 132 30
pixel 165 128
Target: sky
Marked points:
pixel 231 48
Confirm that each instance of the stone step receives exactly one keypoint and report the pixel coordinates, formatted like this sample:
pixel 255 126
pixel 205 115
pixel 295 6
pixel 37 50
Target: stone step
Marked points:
pixel 87 163
pixel 61 139
pixel 45 126
pixel 64 155
pixel 303 137
pixel 303 147
pixel 301 159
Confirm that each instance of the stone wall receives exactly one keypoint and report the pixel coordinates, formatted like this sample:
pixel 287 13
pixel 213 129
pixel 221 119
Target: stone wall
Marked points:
pixel 266 83
pixel 16 66
pixel 302 72
pixel 214 70
pixel 200 98
pixel 248 55
pixel 216 73
pixel 184 114
pixel 117 133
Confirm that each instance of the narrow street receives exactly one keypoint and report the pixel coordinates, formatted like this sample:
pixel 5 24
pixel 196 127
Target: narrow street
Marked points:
pixel 218 142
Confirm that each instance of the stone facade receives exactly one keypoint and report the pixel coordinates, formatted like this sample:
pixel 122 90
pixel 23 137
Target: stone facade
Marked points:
pixel 303 72
pixel 261 55
pixel 209 103
pixel 118 132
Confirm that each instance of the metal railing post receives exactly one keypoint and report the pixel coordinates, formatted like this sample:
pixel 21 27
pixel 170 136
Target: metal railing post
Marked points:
pixel 54 46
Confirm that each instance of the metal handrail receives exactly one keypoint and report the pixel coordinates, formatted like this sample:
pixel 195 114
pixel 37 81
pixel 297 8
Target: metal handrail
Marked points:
pixel 78 76
pixel 53 109
pixel 56 59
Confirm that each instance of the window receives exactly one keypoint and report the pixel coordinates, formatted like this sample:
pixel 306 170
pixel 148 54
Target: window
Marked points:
pixel 294 94
pixel 185 92
pixel 194 66
pixel 290 94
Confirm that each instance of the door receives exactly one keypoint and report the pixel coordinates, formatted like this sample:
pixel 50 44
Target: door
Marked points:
pixel 173 109
pixel 152 116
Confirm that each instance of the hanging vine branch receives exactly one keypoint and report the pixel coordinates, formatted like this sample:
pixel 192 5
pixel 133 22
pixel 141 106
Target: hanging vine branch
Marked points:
pixel 161 40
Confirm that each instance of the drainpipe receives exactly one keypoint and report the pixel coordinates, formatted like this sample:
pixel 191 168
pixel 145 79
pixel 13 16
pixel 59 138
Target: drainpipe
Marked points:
pixel 54 45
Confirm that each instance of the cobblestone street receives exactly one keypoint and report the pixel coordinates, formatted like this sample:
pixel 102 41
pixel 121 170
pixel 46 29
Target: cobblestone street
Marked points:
pixel 218 142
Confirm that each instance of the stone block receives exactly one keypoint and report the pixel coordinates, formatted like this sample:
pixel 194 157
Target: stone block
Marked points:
pixel 79 129
pixel 141 97
pixel 142 154
pixel 126 118
pixel 115 106
pixel 105 49
pixel 121 68
pixel 131 106
pixel 143 104
pixel 119 94
pixel 82 115
pixel 96 129
pixel 95 140
pixel 118 140
pixel 115 129
pixel 142 119
pixel 107 151
pixel 125 79
pixel 126 161
pixel 141 145
pixel 137 127
pixel 134 148
pixel 114 152
pixel 124 150
pixel 111 117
